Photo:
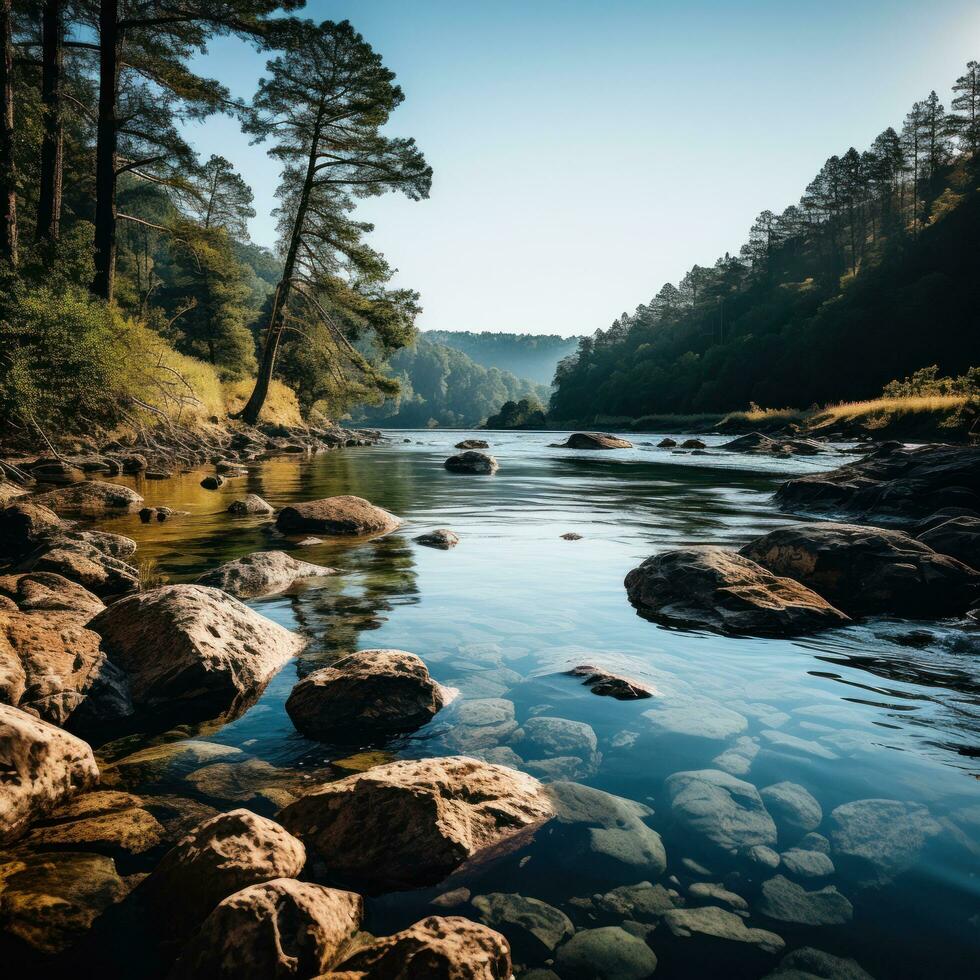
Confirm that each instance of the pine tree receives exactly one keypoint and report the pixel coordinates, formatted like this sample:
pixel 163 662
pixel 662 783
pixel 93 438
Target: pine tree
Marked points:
pixel 8 165
pixel 967 107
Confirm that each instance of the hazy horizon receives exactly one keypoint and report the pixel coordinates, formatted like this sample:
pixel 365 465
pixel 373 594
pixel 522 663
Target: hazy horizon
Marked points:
pixel 582 160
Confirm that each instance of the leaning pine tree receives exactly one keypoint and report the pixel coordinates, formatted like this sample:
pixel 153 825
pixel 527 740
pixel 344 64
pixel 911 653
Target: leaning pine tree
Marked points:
pixel 324 101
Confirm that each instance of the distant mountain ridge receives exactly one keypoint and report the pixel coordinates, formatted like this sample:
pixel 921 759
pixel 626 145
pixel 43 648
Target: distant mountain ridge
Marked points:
pixel 531 356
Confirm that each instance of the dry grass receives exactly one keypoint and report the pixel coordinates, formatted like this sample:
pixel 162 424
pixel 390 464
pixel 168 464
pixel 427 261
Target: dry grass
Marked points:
pixel 882 411
pixel 280 404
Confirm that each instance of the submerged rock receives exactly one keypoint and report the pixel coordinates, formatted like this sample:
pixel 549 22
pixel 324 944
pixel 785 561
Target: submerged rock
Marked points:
pixel 261 573
pixel 807 963
pixel 715 589
pixel 807 864
pixel 644 901
pixel 606 684
pixel 439 946
pixel 42 767
pixel 607 953
pixel 533 927
pixel 340 515
pixel 696 717
pixel 472 444
pixel 958 537
pixel 213 482
pixel 721 809
pixel 90 499
pixel 279 928
pixel 594 440
pixel 251 503
pixel 440 538
pixel 193 651
pixel 787 901
pixel 792 805
pixel 868 570
pixel 716 923
pixel 370 692
pixel 472 462
pixel 413 823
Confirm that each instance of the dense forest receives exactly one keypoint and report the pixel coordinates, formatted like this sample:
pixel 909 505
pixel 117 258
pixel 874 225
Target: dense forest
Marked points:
pixel 532 356
pixel 873 275
pixel 442 386
pixel 129 291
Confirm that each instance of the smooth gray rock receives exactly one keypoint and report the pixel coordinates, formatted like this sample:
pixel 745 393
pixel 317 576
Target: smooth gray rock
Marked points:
pixel 609 953
pixel 787 901
pixel 792 806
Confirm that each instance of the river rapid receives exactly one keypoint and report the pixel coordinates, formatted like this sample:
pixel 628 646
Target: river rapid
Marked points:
pixel 882 710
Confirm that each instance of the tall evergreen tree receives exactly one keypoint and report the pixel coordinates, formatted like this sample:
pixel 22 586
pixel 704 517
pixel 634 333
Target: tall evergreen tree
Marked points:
pixel 8 164
pixel 966 105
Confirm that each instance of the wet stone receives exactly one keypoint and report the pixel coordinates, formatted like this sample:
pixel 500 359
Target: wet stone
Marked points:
pixel 807 864
pixel 787 901
pixel 608 953
pixel 528 923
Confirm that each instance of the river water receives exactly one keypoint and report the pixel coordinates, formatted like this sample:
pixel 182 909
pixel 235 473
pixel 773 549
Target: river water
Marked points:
pixel 869 712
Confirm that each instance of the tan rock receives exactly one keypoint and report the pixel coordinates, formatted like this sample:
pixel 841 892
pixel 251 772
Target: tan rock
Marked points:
pixel 93 498
pixel 277 929
pixel 472 461
pixel 88 566
pixel 24 524
pixel 336 515
pixel 48 591
pixel 43 766
pixel 261 573
pixel 414 822
pixel 594 440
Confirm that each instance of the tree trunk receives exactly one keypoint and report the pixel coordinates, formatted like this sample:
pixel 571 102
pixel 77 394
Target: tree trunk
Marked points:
pixel 250 413
pixel 110 49
pixel 49 196
pixel 8 166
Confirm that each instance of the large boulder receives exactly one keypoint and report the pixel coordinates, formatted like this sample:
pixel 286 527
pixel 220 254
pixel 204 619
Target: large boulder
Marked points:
pixel 448 947
pixel 85 564
pixel 336 515
pixel 893 483
pixel 276 929
pixel 711 922
pixel 715 589
pixel 720 809
pixel 793 806
pixel 43 767
pixel 473 444
pixel 413 823
pixel 49 592
pixel 219 857
pixel 370 692
pixel 261 573
pixel 531 926
pixel 958 537
pixel 24 525
pixel 472 461
pixel 807 963
pixel 867 570
pixel 787 901
pixel 594 440
pixel 607 953
pixel 92 498
pixel 192 650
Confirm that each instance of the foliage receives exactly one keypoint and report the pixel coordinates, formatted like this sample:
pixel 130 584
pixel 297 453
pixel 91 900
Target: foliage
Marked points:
pixel 528 413
pixel 532 356
pixel 926 381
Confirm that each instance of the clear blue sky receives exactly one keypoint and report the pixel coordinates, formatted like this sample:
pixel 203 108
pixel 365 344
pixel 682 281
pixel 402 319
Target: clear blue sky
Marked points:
pixel 587 152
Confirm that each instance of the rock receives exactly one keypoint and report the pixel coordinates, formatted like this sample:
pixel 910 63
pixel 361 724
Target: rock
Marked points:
pixel 57 472
pixel 87 565
pixel 9 492
pixel 105 821
pixel 471 462
pixel 696 718
pixel 482 723
pixel 958 537
pixel 667 443
pixel 721 809
pixel 261 573
pixel 891 483
pixel 447 947
pixel 413 823
pixel 24 525
pixel 547 736
pixel 764 856
pixel 715 589
pixel 814 842
pixel 157 762
pixel 880 839
pixel 336 515
pixel 644 901
pixel 440 538
pixel 716 923
pixel 807 864
pixel 594 440
pixel 570 536
pixel 786 901
pixel 217 858
pixel 231 468
pixel 759 444
pixel 279 928
pixel 606 684
pixel 712 892
pixel 251 503
pixel 452 898
pixel 213 482
pixel 309 542
pixel 793 744
pixel 49 592
pixel 608 953
pixel 370 692
pixel 133 463
pixel 113 545
pixel 90 499
pixel 604 835
pixel 472 444
pixel 159 514
pixel 792 806
pixel 739 758
pixel 867 570
pixel 43 767
pixel 807 963
pixel 50 900
pixel 192 650
pixel 53 667
pixel 693 444
pixel 532 927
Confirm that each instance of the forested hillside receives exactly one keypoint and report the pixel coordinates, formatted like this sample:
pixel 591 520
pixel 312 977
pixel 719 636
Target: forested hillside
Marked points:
pixel 874 274
pixel 129 292
pixel 533 356
pixel 442 386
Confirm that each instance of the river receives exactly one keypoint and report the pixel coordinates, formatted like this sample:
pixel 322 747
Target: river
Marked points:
pixel 871 712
